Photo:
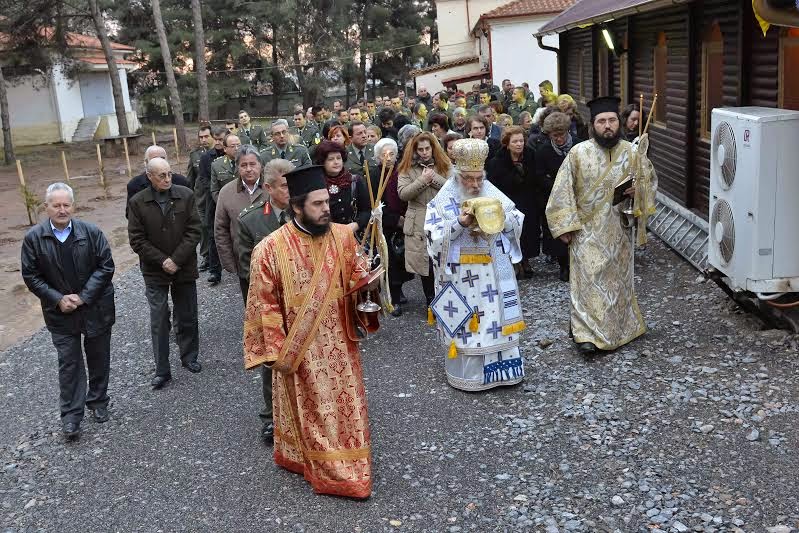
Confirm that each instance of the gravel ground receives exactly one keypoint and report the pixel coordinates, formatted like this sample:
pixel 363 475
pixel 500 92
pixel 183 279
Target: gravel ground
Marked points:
pixel 690 428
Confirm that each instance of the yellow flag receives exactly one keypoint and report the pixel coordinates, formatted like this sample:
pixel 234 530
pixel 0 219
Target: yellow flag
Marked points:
pixel 764 25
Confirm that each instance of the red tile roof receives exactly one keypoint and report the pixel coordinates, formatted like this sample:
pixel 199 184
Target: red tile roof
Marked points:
pixel 523 8
pixel 445 65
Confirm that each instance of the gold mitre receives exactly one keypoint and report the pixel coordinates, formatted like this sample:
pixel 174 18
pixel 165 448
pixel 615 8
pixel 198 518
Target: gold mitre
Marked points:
pixel 488 212
pixel 470 154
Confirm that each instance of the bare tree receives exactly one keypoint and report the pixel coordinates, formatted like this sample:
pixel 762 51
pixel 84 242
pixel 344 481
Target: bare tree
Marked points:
pixel 199 60
pixel 113 71
pixel 174 96
pixel 8 146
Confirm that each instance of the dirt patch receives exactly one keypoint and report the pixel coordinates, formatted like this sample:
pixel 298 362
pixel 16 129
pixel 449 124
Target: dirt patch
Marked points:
pixel 20 312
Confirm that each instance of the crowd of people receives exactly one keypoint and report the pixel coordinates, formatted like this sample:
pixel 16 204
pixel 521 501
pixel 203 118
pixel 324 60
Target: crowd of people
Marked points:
pixel 472 188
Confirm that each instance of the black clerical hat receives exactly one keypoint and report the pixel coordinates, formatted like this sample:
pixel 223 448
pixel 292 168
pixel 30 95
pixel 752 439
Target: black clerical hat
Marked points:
pixel 306 179
pixel 604 104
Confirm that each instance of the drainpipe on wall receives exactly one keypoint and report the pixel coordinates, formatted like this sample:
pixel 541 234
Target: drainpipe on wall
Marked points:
pixel 542 46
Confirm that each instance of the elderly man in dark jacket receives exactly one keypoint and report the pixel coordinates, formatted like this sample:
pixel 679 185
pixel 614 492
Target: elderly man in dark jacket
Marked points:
pixel 164 229
pixel 67 264
pixel 140 182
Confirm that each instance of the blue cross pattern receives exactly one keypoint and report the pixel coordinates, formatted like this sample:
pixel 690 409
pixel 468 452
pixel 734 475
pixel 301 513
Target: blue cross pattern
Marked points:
pixel 451 309
pixel 453 206
pixel 438 259
pixel 470 279
pixel 480 314
pixel 434 218
pixel 464 334
pixel 495 329
pixel 489 293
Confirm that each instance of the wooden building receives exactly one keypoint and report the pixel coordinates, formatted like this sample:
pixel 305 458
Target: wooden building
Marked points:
pixel 697 55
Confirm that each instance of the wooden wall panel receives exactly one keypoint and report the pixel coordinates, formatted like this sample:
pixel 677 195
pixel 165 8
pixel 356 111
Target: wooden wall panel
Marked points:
pixel 726 14
pixel 668 139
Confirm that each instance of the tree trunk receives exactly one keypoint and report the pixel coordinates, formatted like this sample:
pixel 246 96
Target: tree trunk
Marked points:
pixel 277 86
pixel 8 146
pixel 174 96
pixel 199 61
pixel 113 71
pixel 360 85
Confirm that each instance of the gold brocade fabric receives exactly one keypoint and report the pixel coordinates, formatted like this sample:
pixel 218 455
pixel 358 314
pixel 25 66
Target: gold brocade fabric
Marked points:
pixel 604 309
pixel 319 398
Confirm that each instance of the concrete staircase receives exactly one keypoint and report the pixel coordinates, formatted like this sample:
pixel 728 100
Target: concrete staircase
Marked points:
pixel 86 129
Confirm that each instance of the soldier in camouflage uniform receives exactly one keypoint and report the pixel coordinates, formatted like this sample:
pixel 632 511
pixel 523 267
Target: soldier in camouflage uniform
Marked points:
pixel 305 131
pixel 250 133
pixel 521 103
pixel 200 187
pixel 282 149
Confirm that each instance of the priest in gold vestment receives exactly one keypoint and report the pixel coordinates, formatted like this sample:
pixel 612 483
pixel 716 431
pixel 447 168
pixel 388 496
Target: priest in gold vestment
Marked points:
pixel 300 323
pixel 581 212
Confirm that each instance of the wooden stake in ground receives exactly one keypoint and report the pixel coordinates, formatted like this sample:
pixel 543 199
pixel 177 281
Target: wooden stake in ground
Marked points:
pixel 153 133
pixel 100 164
pixel 20 174
pixel 177 146
pixel 28 198
pixel 127 156
pixel 66 169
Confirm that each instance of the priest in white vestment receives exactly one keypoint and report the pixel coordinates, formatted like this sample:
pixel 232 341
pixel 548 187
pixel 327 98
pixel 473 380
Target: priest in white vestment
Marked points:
pixel 473 235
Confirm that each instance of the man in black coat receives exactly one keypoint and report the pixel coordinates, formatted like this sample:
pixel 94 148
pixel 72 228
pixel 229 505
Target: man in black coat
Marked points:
pixel 67 264
pixel 140 182
pixel 163 230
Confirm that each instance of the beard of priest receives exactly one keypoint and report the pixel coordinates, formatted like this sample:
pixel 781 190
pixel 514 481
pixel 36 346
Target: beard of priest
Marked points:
pixel 312 211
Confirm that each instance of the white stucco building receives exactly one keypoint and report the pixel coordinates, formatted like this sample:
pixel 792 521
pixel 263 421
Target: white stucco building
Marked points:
pixel 508 46
pixel 47 106
pixel 492 40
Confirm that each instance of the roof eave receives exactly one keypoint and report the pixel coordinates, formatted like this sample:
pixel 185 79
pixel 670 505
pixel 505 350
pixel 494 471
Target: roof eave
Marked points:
pixel 607 17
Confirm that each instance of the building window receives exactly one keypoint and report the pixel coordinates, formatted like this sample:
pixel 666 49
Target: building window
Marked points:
pixel 660 62
pixel 712 75
pixel 789 69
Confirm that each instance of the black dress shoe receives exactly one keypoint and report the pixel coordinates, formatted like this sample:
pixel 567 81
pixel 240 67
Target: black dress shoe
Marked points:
pixel 72 430
pixel 193 366
pixel 397 310
pixel 158 382
pixel 100 414
pixel 214 279
pixel 268 433
pixel 587 348
pixel 564 275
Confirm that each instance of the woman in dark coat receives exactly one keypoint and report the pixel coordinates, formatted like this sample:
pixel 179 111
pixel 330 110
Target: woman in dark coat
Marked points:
pixel 349 197
pixel 548 159
pixel 512 171
pixel 393 220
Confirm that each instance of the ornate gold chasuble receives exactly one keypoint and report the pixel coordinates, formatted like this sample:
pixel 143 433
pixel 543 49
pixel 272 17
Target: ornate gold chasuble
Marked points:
pixel 298 321
pixel 604 309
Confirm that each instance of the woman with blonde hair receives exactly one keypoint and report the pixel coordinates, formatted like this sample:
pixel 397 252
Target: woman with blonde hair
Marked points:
pixel 579 128
pixel 424 169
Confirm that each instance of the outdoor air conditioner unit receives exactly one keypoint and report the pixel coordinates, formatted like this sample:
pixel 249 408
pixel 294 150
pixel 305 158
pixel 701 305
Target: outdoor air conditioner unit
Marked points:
pixel 754 198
